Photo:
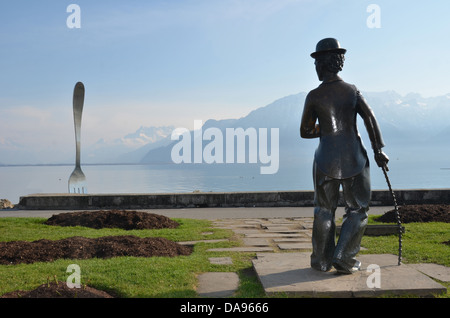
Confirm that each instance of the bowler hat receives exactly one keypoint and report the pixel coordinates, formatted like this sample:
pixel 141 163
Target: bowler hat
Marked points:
pixel 328 45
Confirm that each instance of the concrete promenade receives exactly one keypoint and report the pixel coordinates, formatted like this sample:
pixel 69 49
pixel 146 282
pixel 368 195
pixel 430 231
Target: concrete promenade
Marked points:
pixel 205 213
pixel 216 199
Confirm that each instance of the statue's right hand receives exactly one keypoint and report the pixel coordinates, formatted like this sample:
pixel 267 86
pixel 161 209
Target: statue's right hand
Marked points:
pixel 381 159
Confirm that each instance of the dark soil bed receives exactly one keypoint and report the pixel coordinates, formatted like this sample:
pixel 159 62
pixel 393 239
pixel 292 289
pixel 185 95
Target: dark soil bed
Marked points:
pixel 58 290
pixel 127 220
pixel 77 247
pixel 418 213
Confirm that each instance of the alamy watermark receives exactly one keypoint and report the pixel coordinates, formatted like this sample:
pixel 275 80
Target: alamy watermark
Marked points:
pixel 230 148
pixel 74 19
pixel 74 280
pixel 374 279
pixel 374 19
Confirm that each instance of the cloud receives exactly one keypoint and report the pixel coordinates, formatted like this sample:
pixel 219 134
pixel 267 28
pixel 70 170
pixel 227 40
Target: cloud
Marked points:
pixel 27 113
pixel 35 128
pixel 115 119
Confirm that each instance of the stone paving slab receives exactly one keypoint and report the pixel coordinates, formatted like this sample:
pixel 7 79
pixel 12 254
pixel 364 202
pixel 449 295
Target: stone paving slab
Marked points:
pixel 272 235
pixel 276 228
pixel 295 246
pixel 255 242
pixel 253 222
pixel 278 220
pixel 291 240
pixel 291 274
pixel 286 231
pixel 201 241
pixel 220 260
pixel 217 284
pixel 242 249
pixel 246 231
pixel 436 271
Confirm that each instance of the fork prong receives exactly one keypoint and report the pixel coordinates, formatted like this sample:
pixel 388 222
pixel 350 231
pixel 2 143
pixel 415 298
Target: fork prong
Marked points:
pixel 78 190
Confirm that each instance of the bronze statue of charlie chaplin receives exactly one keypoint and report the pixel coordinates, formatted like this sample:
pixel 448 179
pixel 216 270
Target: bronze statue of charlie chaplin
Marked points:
pixel 340 160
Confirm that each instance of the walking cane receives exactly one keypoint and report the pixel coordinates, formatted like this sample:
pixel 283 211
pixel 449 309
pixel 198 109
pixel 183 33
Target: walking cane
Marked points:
pixel 397 214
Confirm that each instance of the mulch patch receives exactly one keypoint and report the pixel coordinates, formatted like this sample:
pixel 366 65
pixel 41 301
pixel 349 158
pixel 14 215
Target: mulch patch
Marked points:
pixel 77 247
pixel 127 220
pixel 418 213
pixel 58 290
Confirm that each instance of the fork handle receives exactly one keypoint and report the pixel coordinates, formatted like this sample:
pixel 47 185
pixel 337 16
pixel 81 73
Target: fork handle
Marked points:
pixel 78 101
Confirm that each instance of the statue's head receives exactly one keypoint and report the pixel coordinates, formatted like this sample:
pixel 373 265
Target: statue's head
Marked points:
pixel 329 57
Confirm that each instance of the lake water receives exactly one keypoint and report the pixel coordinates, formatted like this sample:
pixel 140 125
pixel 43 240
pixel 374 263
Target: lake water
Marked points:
pixel 16 181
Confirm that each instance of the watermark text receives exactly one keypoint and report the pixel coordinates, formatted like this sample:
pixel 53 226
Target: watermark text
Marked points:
pixel 374 279
pixel 74 280
pixel 374 19
pixel 74 19
pixel 231 148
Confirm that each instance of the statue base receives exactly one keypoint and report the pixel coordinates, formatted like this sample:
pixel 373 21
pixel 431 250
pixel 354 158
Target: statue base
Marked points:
pixel 380 274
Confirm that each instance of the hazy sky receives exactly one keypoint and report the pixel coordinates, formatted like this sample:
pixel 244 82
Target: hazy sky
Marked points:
pixel 155 62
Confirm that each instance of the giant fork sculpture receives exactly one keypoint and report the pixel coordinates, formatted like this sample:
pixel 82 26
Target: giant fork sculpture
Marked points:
pixel 77 180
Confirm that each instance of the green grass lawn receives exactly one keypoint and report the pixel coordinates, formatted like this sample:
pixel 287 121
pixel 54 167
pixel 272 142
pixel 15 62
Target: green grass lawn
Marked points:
pixel 167 277
pixel 421 243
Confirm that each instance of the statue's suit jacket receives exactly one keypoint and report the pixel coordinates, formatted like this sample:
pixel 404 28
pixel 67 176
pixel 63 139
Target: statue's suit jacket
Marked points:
pixel 335 105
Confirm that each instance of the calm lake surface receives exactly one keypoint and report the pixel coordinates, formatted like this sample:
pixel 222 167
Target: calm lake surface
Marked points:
pixel 16 181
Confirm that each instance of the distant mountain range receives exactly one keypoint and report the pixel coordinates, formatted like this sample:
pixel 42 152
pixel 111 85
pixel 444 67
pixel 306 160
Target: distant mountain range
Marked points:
pixel 283 114
pixel 413 127
pixel 130 148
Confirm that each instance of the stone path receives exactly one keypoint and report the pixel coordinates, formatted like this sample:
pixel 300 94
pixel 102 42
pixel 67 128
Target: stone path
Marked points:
pixel 258 235
pixel 263 235
pixel 283 246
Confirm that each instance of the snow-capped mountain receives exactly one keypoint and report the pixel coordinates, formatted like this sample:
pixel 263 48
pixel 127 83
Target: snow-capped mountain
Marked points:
pixel 126 149
pixel 408 123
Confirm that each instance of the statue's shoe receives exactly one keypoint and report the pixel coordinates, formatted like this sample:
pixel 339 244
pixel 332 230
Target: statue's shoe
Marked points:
pixel 342 268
